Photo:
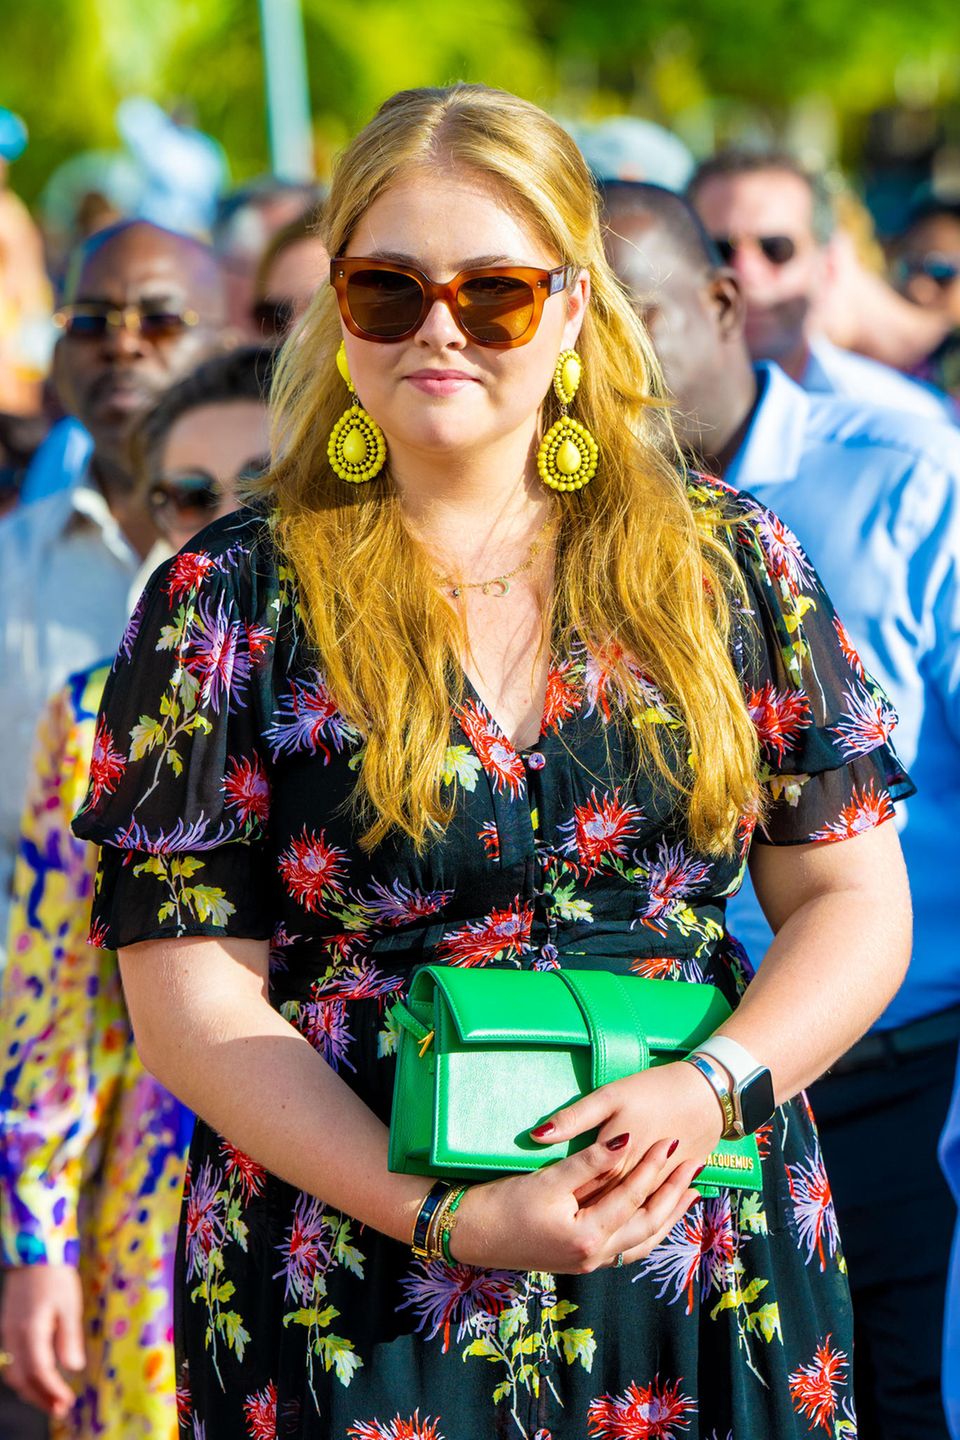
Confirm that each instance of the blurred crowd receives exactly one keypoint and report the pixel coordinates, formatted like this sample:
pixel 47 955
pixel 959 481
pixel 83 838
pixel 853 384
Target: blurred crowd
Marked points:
pixel 805 362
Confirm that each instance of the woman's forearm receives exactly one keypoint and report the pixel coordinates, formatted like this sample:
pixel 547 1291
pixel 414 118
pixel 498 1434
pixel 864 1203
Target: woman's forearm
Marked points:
pixel 835 963
pixel 228 1055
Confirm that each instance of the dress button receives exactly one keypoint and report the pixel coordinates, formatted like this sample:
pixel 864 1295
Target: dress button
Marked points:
pixel 535 761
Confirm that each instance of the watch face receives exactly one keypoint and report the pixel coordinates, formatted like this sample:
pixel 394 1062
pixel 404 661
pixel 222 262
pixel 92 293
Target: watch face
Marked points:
pixel 756 1101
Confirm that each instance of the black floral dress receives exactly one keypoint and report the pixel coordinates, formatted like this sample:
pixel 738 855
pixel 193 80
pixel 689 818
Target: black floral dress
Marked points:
pixel 217 789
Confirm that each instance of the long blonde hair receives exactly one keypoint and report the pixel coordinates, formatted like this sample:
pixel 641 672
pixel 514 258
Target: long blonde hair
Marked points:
pixel 636 575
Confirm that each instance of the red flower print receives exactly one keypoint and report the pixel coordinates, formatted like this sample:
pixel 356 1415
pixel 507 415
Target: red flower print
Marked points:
pixel 413 1428
pixel 184 1400
pixel 258 638
pixel 867 722
pixel 503 934
pixel 563 696
pixel 603 682
pixel 247 788
pixel 492 749
pixel 850 653
pixel 98 936
pixel 489 837
pixel 785 557
pixel 186 573
pixel 813 1387
pixel 313 871
pixel 643 1412
pixel 106 764
pixel 778 716
pixel 813 1208
pixel 865 810
pixel 261 1413
pixel 600 828
pixel 251 1174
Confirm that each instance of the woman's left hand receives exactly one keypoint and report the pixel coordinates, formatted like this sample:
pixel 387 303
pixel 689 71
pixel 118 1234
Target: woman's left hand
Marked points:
pixel 673 1100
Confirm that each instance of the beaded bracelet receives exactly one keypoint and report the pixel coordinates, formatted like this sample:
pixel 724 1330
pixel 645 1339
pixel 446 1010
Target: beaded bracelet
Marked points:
pixel 447 1223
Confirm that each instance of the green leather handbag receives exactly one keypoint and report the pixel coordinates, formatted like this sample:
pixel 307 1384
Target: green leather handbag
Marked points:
pixel 487 1055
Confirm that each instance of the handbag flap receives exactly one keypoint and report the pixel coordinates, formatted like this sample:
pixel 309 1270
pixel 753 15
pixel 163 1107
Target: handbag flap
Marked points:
pixel 675 1015
pixel 493 1006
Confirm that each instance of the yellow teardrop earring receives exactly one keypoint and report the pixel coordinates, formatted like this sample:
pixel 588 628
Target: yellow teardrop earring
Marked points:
pixel 567 457
pixel 356 450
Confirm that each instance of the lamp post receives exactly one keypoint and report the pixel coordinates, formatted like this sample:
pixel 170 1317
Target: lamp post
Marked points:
pixel 288 89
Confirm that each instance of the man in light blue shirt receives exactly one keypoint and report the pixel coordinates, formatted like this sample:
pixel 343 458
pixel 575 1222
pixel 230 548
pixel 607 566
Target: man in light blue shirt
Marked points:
pixel 874 496
pixel 773 224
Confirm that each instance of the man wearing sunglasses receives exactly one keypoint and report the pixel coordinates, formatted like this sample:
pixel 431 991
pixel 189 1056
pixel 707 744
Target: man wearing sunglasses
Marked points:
pixel 773 224
pixel 874 498
pixel 143 306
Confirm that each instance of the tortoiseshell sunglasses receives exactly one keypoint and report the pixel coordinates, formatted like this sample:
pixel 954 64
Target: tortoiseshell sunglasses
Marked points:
pixel 495 305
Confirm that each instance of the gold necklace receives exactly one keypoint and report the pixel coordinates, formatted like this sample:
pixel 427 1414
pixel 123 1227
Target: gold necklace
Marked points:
pixel 486 587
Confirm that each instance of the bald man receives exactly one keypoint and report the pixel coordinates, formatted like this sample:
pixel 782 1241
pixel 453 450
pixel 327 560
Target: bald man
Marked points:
pixel 144 306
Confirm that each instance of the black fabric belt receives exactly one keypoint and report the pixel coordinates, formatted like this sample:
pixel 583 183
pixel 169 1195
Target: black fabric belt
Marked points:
pixel 887 1047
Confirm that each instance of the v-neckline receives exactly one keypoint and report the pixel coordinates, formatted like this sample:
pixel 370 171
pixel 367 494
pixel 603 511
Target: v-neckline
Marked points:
pixel 501 732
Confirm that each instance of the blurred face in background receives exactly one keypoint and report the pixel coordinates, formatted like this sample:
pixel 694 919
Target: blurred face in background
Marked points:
pixel 292 279
pixel 206 452
pixel 242 242
pixel 108 380
pixel 928 264
pixel 763 223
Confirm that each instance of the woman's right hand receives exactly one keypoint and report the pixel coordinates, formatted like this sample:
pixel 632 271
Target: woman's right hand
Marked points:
pixel 41 1327
pixel 543 1220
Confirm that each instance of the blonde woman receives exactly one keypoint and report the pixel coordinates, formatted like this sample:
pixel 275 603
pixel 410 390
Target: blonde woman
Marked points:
pixel 454 713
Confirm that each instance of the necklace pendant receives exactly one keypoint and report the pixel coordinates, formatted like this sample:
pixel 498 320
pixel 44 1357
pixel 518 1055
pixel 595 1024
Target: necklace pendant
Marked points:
pixel 455 592
pixel 496 588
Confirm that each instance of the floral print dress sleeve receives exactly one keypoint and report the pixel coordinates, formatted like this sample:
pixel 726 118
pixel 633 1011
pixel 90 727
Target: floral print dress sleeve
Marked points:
pixel 183 798
pixel 827 765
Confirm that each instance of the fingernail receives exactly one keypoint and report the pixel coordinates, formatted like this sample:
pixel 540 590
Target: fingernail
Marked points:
pixel 618 1141
pixel 697 1171
pixel 547 1128
pixel 673 1146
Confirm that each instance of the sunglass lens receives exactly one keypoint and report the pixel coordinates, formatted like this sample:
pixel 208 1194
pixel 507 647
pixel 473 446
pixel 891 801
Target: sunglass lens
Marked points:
pixel 86 325
pixel 384 303
pixel 185 494
pixel 779 249
pixel 160 324
pixel 495 308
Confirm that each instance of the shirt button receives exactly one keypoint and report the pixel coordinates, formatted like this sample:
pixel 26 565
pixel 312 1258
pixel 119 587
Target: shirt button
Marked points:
pixel 535 761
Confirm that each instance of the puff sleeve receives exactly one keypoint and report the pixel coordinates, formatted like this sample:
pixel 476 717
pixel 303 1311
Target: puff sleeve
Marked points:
pixel 179 792
pixel 827 763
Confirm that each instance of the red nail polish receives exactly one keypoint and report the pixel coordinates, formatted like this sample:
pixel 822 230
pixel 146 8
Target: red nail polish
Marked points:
pixel 542 1131
pixel 697 1171
pixel 618 1142
pixel 673 1146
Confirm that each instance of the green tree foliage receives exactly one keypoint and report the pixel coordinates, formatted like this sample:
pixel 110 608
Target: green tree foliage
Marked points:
pixel 65 64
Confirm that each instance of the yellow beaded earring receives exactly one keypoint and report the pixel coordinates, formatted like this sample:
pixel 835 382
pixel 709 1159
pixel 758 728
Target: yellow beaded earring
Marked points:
pixel 357 450
pixel 567 457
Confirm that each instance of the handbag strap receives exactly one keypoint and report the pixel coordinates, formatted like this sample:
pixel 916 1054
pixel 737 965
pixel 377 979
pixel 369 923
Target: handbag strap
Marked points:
pixel 618 1045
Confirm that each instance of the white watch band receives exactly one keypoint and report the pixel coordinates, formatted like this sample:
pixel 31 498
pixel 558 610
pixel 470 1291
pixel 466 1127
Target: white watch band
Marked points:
pixel 738 1062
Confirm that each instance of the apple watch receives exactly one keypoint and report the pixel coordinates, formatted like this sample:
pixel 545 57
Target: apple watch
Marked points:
pixel 751 1085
